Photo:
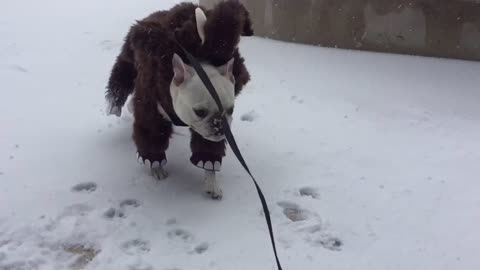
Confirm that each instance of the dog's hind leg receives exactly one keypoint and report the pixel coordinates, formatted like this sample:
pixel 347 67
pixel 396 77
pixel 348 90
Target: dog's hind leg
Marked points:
pixel 122 80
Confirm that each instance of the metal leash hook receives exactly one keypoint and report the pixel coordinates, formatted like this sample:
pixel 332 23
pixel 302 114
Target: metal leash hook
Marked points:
pixel 233 144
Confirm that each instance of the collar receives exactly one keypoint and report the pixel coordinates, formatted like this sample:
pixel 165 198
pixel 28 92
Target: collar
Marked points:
pixel 171 117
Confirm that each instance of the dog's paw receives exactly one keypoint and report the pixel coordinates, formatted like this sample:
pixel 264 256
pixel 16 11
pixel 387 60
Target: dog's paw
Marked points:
pixel 212 188
pixel 130 106
pixel 156 167
pixel 114 110
pixel 214 192
pixel 159 173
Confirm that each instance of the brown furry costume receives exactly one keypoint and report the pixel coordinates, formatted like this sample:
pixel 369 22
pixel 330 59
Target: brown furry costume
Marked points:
pixel 145 66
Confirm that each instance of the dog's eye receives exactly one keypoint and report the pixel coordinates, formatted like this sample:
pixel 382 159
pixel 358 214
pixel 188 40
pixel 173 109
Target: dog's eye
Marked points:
pixel 202 113
pixel 230 111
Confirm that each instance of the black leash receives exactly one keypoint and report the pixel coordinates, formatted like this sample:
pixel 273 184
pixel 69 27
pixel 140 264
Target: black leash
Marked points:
pixel 231 141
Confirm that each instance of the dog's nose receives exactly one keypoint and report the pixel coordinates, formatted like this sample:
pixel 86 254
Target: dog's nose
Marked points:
pixel 217 125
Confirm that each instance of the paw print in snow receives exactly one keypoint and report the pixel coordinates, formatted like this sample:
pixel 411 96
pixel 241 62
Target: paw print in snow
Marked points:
pixel 202 248
pixel 249 117
pixel 87 187
pixel 293 212
pixel 309 192
pixel 180 233
pixel 135 246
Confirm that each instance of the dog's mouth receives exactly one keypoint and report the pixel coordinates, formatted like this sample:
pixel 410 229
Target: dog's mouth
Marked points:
pixel 210 137
pixel 215 138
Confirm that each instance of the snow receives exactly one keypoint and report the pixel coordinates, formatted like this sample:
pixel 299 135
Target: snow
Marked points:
pixel 368 161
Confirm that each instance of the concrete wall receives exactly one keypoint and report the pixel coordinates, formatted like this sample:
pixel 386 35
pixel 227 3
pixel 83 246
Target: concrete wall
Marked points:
pixel 442 28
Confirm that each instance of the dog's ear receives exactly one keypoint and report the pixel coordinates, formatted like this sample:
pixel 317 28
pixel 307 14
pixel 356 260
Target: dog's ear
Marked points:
pixel 181 71
pixel 227 70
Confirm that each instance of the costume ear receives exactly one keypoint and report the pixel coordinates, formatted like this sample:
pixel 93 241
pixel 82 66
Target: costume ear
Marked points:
pixel 227 70
pixel 181 71
pixel 201 19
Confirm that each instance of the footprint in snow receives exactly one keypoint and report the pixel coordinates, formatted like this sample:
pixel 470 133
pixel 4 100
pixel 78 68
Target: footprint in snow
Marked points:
pixel 296 99
pixel 113 212
pixel 249 117
pixel 329 242
pixel 317 236
pixel 186 238
pixel 293 212
pixel 312 229
pixel 84 255
pixel 201 248
pixel 135 246
pixel 87 187
pixel 181 234
pixel 18 68
pixel 53 239
pixel 309 192
pixel 130 203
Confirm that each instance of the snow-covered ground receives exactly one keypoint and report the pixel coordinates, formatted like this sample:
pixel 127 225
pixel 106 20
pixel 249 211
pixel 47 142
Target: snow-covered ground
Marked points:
pixel 368 161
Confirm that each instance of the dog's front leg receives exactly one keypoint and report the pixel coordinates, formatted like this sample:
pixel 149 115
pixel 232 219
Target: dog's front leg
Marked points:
pixel 208 155
pixel 212 187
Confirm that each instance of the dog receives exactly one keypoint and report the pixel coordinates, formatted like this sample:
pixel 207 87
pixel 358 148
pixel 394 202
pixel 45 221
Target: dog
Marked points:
pixel 166 90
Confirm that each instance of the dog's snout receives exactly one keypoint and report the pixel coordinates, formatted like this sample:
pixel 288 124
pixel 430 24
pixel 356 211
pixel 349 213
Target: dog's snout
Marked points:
pixel 217 125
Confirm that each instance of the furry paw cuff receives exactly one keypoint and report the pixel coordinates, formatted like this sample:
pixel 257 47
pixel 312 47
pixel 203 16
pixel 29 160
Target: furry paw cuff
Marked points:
pixel 207 161
pixel 152 160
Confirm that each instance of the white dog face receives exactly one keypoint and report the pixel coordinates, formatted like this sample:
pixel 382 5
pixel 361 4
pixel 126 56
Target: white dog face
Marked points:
pixel 193 103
